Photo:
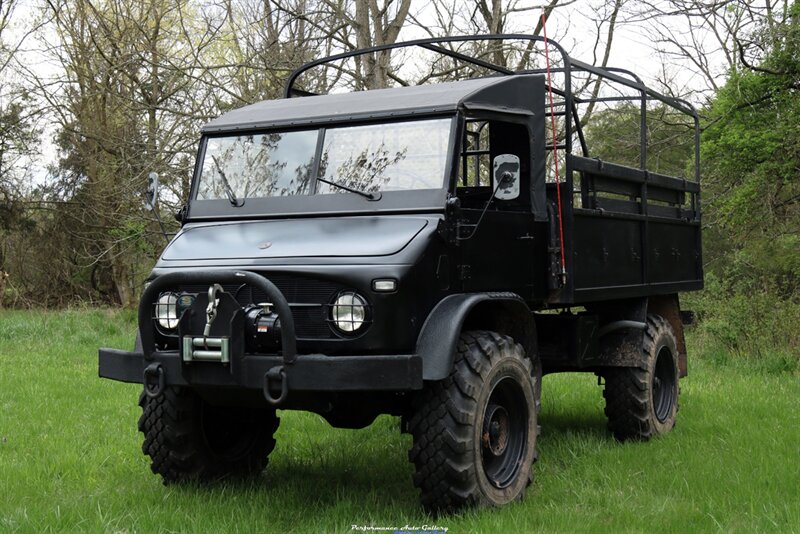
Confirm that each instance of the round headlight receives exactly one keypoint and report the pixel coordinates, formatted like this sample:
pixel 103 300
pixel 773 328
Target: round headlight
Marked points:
pixel 167 310
pixel 349 312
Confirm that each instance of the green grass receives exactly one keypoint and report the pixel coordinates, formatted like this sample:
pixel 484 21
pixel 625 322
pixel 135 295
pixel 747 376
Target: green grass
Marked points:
pixel 70 457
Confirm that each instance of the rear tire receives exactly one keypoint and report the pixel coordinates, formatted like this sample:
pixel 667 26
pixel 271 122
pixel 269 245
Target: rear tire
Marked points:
pixel 642 401
pixel 187 439
pixel 475 431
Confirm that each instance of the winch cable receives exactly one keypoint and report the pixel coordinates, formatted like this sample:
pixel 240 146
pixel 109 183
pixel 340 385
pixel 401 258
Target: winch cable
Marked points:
pixel 555 150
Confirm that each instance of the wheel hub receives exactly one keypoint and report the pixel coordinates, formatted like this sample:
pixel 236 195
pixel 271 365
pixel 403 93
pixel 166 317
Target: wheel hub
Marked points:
pixel 495 430
pixel 504 433
pixel 664 385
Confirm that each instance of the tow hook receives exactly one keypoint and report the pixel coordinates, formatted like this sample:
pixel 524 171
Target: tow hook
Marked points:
pixel 211 311
pixel 154 381
pixel 276 373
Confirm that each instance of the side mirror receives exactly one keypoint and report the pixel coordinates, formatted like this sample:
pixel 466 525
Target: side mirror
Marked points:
pixel 151 194
pixel 506 176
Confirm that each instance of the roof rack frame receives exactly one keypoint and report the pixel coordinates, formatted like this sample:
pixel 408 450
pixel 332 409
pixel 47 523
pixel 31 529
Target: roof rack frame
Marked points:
pixel 620 76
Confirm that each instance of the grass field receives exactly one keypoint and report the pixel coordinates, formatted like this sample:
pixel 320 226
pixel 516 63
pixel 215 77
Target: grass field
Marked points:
pixel 70 457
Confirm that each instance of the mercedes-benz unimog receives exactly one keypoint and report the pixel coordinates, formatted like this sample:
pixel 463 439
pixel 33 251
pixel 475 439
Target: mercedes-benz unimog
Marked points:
pixel 427 252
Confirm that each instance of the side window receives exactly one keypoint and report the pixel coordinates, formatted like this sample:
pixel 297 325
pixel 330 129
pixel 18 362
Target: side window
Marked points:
pixel 476 156
pixel 483 141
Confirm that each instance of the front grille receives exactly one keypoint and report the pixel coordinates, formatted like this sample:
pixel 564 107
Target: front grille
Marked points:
pixel 308 298
pixel 311 322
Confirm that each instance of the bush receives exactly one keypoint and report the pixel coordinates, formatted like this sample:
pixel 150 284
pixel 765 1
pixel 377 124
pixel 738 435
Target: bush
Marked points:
pixel 755 326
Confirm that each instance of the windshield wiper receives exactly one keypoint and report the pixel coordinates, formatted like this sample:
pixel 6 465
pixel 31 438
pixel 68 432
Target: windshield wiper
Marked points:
pixel 365 194
pixel 228 189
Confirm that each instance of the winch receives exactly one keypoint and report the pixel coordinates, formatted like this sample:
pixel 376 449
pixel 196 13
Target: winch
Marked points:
pixel 262 328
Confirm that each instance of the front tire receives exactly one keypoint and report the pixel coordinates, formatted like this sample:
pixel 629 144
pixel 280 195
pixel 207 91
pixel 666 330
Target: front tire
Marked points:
pixel 188 439
pixel 474 432
pixel 642 401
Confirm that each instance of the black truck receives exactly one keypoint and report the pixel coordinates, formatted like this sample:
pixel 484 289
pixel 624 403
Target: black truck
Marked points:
pixel 402 251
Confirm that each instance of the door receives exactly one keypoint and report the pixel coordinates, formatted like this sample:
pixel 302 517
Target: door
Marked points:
pixel 497 233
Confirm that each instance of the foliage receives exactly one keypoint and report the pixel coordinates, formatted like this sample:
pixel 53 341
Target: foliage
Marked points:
pixel 129 85
pixel 613 134
pixel 19 131
pixel 751 155
pixel 18 139
pixel 751 168
pixel 756 327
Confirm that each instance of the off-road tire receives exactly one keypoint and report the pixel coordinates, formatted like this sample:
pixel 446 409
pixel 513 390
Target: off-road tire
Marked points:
pixel 187 439
pixel 451 451
pixel 642 401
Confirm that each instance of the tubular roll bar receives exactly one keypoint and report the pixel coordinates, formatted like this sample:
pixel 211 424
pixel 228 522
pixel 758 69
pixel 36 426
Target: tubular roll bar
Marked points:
pixel 620 76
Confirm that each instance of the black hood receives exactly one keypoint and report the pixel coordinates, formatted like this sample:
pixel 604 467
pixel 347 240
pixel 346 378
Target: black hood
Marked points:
pixel 295 238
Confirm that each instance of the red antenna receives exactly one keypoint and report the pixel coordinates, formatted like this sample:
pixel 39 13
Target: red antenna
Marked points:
pixel 555 151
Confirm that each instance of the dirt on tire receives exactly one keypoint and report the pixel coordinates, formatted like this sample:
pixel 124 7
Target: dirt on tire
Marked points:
pixel 189 440
pixel 632 408
pixel 447 426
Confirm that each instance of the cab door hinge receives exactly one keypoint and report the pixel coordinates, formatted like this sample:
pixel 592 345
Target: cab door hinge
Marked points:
pixel 448 230
pixel 465 271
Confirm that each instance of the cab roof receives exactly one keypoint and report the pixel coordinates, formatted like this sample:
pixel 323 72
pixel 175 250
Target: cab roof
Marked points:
pixel 505 94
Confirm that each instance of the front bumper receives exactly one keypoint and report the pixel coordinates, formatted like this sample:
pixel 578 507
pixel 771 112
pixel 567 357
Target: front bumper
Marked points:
pixel 269 373
pixel 308 372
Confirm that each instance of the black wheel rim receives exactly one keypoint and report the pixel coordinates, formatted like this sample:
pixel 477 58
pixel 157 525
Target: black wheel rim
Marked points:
pixel 664 380
pixel 504 433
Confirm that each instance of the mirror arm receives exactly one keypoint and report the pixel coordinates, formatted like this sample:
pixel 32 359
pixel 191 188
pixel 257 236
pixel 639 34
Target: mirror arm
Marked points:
pixel 180 215
pixel 485 207
pixel 151 200
pixel 449 227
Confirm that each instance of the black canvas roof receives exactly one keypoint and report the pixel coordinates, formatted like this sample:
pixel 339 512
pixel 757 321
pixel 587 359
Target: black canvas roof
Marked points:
pixel 508 94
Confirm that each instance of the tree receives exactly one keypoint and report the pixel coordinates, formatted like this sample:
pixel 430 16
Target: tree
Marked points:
pixel 613 135
pixel 362 24
pixel 18 139
pixel 705 41
pixel 124 108
pixel 18 128
pixel 751 153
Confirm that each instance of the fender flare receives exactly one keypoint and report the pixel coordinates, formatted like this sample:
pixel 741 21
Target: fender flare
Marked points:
pixel 438 338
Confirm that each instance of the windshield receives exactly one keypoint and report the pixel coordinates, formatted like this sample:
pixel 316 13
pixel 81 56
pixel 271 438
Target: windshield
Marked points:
pixel 380 157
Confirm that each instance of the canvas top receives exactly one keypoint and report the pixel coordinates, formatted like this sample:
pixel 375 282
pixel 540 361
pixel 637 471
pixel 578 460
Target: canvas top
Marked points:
pixel 504 94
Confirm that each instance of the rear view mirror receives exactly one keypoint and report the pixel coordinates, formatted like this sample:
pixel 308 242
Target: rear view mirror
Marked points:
pixel 151 194
pixel 506 176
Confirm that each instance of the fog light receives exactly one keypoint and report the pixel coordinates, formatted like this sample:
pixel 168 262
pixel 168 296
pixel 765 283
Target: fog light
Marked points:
pixel 167 310
pixel 349 312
